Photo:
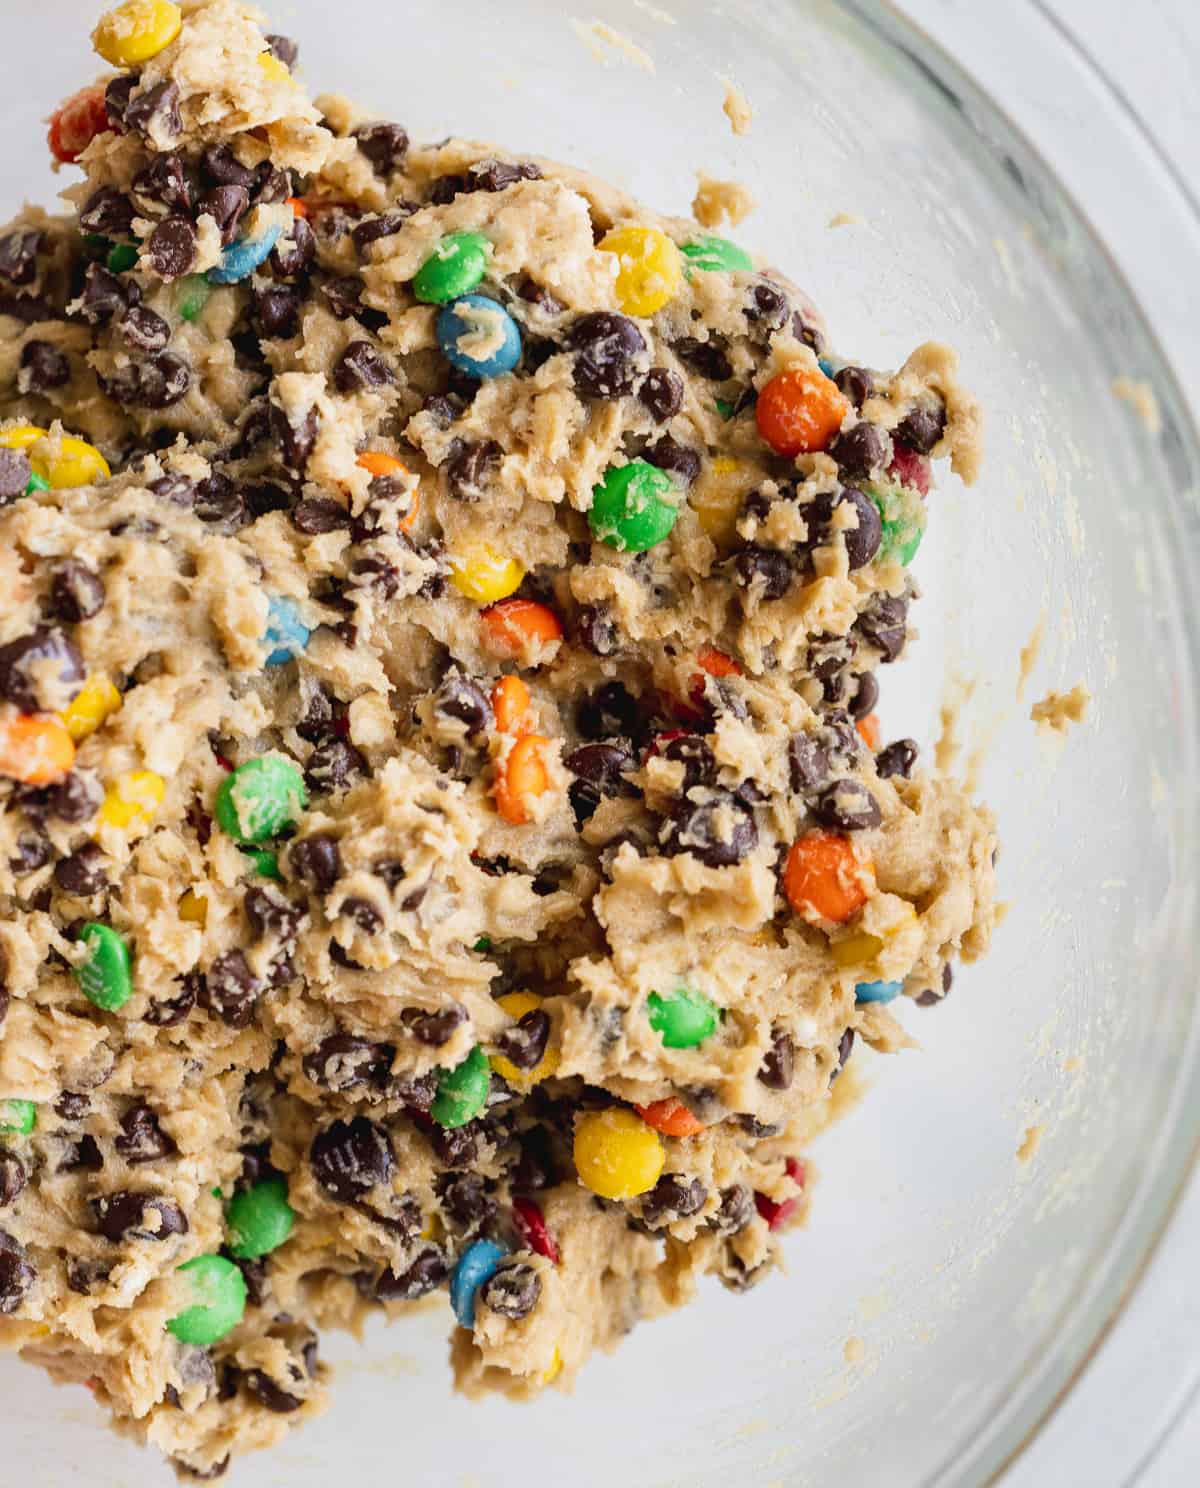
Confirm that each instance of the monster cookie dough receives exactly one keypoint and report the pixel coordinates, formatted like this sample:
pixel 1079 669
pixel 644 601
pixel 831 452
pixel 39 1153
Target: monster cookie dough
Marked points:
pixel 447 838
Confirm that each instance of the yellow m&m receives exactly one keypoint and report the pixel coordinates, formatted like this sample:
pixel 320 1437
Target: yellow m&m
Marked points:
pixel 651 268
pixel 135 797
pixel 485 575
pixel 136 31
pixel 95 701
pixel 75 463
pixel 616 1154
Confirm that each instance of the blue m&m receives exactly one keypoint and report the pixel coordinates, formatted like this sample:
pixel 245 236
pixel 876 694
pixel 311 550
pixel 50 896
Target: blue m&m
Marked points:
pixel 286 634
pixel 242 257
pixel 877 991
pixel 479 337
pixel 477 1264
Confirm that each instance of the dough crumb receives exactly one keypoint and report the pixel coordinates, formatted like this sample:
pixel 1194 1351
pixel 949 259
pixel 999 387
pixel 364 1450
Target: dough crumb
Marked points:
pixel 1055 713
pixel 720 201
pixel 844 219
pixel 1073 1065
pixel 1030 1143
pixel 737 108
pixel 1030 652
pixel 854 1351
pixel 1141 398
pixel 607 44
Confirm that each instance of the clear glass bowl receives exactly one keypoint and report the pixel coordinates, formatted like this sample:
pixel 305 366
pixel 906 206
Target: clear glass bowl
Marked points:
pixel 977 1285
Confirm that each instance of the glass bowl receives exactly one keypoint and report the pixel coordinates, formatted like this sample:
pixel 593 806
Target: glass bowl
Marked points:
pixel 945 1292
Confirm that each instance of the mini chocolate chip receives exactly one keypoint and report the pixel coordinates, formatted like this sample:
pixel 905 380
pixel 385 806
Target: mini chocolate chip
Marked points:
pixel 607 348
pixel 230 989
pixel 17 1274
pixel 668 454
pixel 295 438
pixel 720 830
pixel 277 311
pixel 363 913
pixel 142 1139
pixel 271 913
pixel 129 1215
pixel 661 394
pixel 165 182
pixel 167 1012
pixel 766 307
pixel 883 624
pixel 332 765
pixel 865 695
pixel 897 759
pixel 83 873
pixel 611 711
pixel 779 1062
pixel 705 357
pixel 463 700
pixel 426 1273
pixel 471 466
pixel 856 383
pixel 361 369
pixel 443 408
pixel 217 499
pixel 264 497
pixel 861 450
pixel 116 97
pixel 226 205
pixel 861 541
pixel 765 571
pixel 223 168
pixel 158 382
pixel 142 328
pixel 104 295
pixel 315 860
pixel 77 798
pixel 674 1197
pixel 76 592
pixel 599 771
pixel 434 1028
pixel 73 1105
pixel 84 1275
pixel 384 144
pixel 26 664
pixel 319 514
pixel 348 1159
pixel 43 367
pixel 343 296
pixel 344 1061
pixel 388 223
pixel 698 761
pixel 18 255
pixel 107 212
pixel 155 110
pixel 15 471
pixel 524 1044
pixel 12 1177
pixel 33 851
pixel 465 1200
pixel 513 1291
pixel 845 1047
pixel 596 631
pixel 539 297
pixel 171 247
pixel 270 1394
pixel 283 48
pixel 922 427
pixel 735 1211
pixel 81 1156
pixel 295 251
pixel 807 333
pixel 847 806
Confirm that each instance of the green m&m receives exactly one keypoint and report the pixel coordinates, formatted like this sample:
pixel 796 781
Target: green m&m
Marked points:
pixel 454 268
pixel 17 1117
pixel 218 1292
pixel 462 1092
pixel 260 1219
pixel 260 798
pixel 121 256
pixel 106 976
pixel 264 861
pixel 717 255
pixel 192 296
pixel 633 507
pixel 683 1018
pixel 902 516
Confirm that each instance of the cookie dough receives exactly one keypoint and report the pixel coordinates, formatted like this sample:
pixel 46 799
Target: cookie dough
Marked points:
pixel 446 837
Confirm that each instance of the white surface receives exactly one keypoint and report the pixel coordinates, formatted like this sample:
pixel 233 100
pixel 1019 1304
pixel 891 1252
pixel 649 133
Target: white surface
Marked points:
pixel 1134 1416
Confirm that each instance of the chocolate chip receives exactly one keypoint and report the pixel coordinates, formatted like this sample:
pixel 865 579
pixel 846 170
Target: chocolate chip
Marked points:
pixel 104 295
pixel 704 357
pixel 226 205
pixel 735 1211
pixel 77 798
pixel 277 311
pixel 847 806
pixel 384 144
pixel 315 860
pixel 765 571
pixel 263 497
pixel 471 466
pixel 332 765
pixel 443 408
pixel 33 851
pixel 599 771
pixel 165 183
pixel 698 761
pixel 484 175
pixel 856 383
pixel 386 225
pixel 83 1276
pixel 513 1291
pixel 344 1062
pixel 897 759
pixel 661 394
pixel 922 427
pixel 720 830
pixel 142 1139
pixel 363 914
pixel 524 1044
pixel 15 471
pixel 539 297
pixel 779 1062
pixel 845 1046
pixel 883 623
pixel 18 255
pixel 861 541
pixel 223 168
pixel 155 110
pixel 607 349
pixel 129 1215
pixel 360 368
pixel 807 333
pixel 463 700
pixel 270 1394
pixel 596 631
pixel 12 1177
pixel 83 873
pixel 107 212
pixel 217 499
pixel 116 97
pixel 865 696
pixel 611 711
pixel 295 251
pixel 349 1159
pixel 156 383
pixel 271 185
pixel 73 1105
pixel 143 329
pixel 271 913
pixel 766 307
pixel 26 665
pixel 167 1012
pixel 17 1274
pixel 171 247
pixel 930 997
pixel 76 592
pixel 282 48
pixel 319 514
pixel 82 1156
pixel 43 367
pixel 426 1273
pixel 434 1028
pixel 669 454
pixel 674 1197
pixel 295 437
pixel 861 450
pixel 230 989
pixel 465 1200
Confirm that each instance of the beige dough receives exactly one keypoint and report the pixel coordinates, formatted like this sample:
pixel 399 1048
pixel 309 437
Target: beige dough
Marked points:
pixel 1057 711
pixel 696 703
pixel 716 202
